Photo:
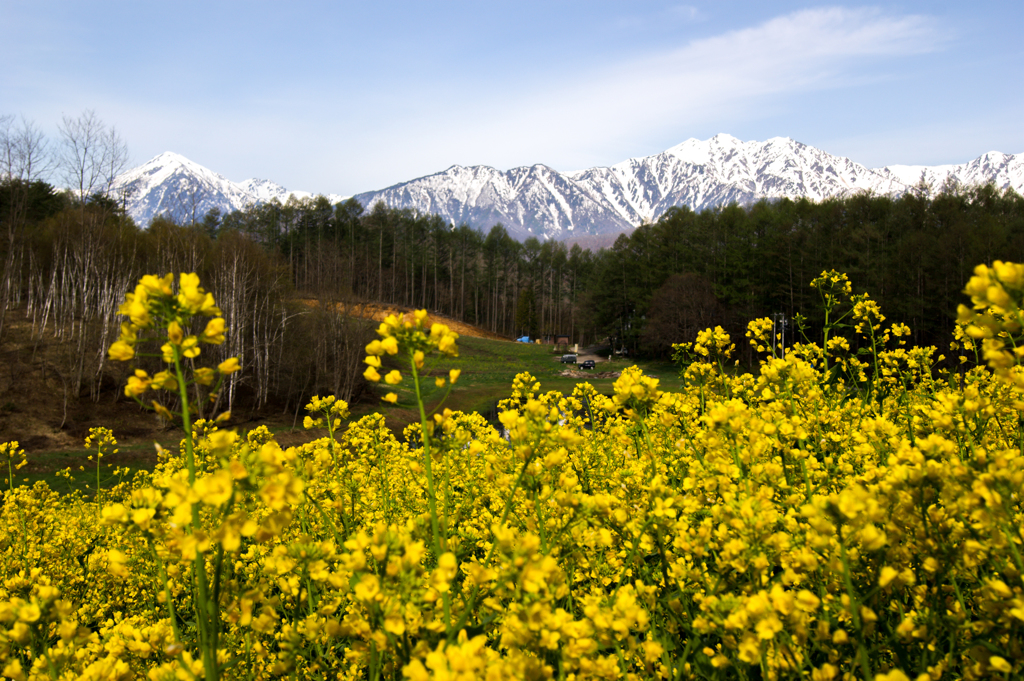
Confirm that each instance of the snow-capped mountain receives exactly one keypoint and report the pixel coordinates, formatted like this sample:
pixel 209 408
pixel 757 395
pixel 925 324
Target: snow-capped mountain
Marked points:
pixel 537 200
pixel 723 170
pixel 697 173
pixel 184 191
pixel 1004 170
pixel 543 202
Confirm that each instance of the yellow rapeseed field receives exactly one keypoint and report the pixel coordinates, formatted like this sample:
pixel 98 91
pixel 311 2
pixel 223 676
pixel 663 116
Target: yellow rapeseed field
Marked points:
pixel 849 511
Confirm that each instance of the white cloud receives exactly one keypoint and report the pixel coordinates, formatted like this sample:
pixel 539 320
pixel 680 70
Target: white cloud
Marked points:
pixel 704 81
pixel 355 141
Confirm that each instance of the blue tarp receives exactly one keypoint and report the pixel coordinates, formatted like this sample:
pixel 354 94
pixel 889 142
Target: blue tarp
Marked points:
pixel 524 339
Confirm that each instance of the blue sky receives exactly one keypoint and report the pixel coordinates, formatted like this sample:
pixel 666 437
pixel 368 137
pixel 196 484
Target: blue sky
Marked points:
pixel 342 97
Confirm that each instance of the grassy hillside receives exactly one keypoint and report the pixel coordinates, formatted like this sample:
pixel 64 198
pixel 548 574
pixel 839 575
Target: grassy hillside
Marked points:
pixel 488 368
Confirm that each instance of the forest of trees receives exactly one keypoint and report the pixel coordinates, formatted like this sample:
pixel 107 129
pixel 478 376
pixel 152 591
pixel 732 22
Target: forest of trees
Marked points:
pixel 912 254
pixel 285 273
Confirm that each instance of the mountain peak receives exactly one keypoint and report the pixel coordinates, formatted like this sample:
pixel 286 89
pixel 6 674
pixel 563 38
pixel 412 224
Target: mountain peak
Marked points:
pixel 725 138
pixel 170 158
pixel 700 174
pixel 537 200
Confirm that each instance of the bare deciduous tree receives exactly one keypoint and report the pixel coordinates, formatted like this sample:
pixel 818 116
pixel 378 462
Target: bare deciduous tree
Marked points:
pixel 23 150
pixel 23 158
pixel 91 155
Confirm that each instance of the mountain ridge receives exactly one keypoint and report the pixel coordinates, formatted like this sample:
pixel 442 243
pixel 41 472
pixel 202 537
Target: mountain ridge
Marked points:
pixel 540 201
pixel 174 186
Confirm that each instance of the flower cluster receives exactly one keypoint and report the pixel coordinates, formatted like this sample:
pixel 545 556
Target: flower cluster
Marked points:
pixel 155 311
pixel 14 456
pixel 416 337
pixel 996 318
pixel 792 523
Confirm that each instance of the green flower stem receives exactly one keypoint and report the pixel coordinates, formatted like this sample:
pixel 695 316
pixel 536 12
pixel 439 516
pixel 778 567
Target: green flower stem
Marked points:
pixel 540 521
pixel 167 588
pixel 855 602
pixel 431 501
pixel 330 436
pixel 427 461
pixel 207 611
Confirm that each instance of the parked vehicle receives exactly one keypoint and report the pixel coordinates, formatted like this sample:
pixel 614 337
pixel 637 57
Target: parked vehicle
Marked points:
pixel 569 359
pixel 587 364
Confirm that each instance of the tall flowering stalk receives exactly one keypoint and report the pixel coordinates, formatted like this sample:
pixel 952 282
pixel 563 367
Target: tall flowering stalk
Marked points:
pixel 412 338
pixel 158 314
pixel 100 438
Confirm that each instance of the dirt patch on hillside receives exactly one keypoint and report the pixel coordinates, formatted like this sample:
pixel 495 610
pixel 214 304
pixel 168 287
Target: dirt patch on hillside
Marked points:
pixel 40 410
pixel 580 373
pixel 379 312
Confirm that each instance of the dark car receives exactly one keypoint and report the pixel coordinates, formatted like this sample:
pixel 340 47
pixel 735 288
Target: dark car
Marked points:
pixel 587 364
pixel 568 359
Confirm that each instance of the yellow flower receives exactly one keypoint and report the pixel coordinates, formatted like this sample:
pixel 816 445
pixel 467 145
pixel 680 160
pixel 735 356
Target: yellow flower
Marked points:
pixel 371 374
pixel 142 516
pixel 164 380
pixel 1000 664
pixel 193 298
pixel 13 670
pixel 894 675
pixel 156 286
pixel 393 378
pixel 121 351
pixel 454 374
pixel 175 333
pixel 114 513
pixel 205 375
pixel 367 589
pixel 116 563
pixel 229 366
pixel 163 411
pixel 215 489
pixel 190 347
pixel 390 397
pixel 447 345
pixel 214 332
pixel 137 384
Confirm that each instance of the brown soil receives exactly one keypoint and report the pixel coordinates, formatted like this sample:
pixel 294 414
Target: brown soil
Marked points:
pixel 379 312
pixel 38 410
pixel 581 373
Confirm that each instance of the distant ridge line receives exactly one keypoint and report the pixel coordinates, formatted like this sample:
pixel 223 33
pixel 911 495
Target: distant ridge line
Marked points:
pixel 585 206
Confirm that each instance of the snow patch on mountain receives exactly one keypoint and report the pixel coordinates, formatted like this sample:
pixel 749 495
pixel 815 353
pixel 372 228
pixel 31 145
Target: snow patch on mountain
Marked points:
pixel 700 174
pixel 184 191
pixel 540 201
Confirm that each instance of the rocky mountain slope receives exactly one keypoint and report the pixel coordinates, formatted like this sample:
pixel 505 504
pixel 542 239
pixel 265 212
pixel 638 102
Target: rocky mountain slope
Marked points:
pixel 174 186
pixel 543 202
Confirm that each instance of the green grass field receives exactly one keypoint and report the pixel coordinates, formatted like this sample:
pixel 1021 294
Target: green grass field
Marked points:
pixel 488 368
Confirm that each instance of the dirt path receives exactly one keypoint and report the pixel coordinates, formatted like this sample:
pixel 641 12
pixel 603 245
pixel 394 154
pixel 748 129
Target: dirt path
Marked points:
pixel 597 353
